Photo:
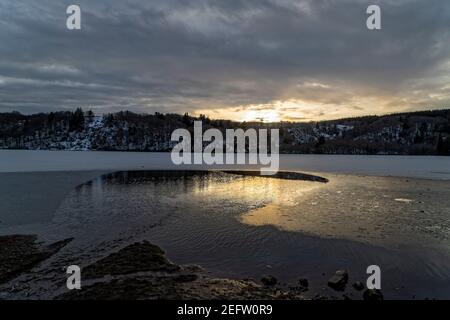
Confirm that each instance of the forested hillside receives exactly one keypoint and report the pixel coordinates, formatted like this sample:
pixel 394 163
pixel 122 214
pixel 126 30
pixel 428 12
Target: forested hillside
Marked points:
pixel 416 133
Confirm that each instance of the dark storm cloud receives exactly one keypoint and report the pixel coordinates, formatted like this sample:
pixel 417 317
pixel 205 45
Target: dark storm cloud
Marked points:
pixel 177 56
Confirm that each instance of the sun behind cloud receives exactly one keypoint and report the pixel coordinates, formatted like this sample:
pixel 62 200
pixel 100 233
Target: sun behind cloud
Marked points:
pixel 261 115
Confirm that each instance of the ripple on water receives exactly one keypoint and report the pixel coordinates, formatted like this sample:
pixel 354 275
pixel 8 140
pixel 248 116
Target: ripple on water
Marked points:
pixel 238 225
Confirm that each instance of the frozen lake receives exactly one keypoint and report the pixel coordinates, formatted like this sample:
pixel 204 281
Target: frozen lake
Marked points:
pixel 388 210
pixel 27 198
pixel 242 226
pixel 428 167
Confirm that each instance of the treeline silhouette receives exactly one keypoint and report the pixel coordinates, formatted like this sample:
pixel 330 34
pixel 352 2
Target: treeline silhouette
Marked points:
pixel 412 133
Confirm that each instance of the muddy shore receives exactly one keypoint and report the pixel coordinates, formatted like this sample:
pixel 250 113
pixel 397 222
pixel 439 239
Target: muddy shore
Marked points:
pixel 138 271
pixel 141 271
pixel 21 253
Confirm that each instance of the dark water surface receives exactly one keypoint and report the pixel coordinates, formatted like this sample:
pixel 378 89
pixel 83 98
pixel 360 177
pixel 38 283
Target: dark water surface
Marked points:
pixel 246 227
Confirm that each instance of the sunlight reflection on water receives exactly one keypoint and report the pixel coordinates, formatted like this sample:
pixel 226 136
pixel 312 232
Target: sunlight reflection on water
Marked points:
pixel 238 226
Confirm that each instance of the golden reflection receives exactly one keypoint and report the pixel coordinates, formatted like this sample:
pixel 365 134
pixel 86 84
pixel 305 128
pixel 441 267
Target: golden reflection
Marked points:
pixel 376 210
pixel 277 213
pixel 272 214
pixel 268 196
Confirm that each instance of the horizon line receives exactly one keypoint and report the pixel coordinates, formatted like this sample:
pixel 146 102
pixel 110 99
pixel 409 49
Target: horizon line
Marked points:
pixel 223 119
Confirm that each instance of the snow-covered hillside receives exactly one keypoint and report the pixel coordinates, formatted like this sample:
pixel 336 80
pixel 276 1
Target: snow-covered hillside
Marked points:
pixel 426 132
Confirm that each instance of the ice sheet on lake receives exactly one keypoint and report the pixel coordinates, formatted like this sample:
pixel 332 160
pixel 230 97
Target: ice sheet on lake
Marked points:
pixel 429 167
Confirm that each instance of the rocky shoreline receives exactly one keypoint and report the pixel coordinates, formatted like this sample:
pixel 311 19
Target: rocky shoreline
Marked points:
pixel 141 271
pixel 21 253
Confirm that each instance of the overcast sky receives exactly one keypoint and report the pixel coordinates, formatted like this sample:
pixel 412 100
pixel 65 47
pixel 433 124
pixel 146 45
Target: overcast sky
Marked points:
pixel 270 59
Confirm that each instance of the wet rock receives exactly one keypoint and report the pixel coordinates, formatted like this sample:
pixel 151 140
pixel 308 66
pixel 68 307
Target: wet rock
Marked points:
pixel 174 282
pixel 186 278
pixel 303 283
pixel 193 268
pixel 21 253
pixel 373 295
pixel 167 281
pixel 169 287
pixel 56 246
pixel 126 289
pixel 137 257
pixel 302 286
pixel 269 280
pixel 358 285
pixel 339 280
